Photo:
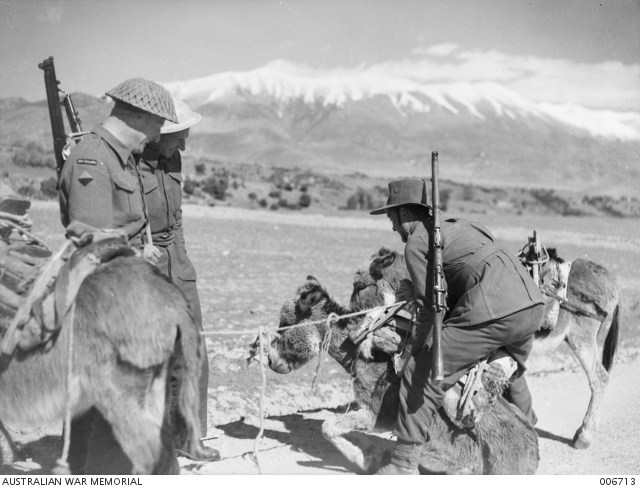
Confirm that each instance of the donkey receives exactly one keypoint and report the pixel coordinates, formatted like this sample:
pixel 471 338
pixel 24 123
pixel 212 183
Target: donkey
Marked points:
pixel 134 340
pixel 503 441
pixel 592 311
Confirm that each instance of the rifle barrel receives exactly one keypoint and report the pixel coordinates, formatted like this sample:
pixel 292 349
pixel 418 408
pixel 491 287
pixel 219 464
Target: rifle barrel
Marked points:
pixel 438 277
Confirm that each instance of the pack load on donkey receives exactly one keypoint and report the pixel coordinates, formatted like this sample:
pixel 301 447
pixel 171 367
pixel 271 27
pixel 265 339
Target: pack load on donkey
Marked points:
pixel 92 325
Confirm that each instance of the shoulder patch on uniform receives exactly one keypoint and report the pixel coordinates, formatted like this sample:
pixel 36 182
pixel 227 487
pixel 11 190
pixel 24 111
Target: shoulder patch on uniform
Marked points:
pixel 86 161
pixel 85 177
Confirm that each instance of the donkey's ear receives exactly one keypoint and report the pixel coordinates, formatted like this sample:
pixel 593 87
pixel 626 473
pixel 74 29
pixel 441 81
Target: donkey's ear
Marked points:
pixel 380 263
pixel 310 298
pixel 388 259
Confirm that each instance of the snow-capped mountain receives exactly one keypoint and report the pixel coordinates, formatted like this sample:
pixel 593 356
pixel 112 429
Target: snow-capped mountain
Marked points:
pixel 382 124
pixel 286 83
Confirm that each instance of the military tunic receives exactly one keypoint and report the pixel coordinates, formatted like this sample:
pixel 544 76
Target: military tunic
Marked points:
pixel 99 185
pixel 161 181
pixel 492 302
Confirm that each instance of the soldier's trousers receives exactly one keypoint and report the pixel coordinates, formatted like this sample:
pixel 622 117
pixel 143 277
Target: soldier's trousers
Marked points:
pixel 177 266
pixel 463 347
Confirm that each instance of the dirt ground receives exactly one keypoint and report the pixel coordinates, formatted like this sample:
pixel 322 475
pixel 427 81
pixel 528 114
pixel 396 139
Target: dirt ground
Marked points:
pixel 293 444
pixel 273 252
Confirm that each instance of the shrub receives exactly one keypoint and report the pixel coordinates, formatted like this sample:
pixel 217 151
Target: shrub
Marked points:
pixel 32 156
pixel 216 186
pixel 48 188
pixel 362 199
pixel 200 168
pixel 189 186
pixel 305 200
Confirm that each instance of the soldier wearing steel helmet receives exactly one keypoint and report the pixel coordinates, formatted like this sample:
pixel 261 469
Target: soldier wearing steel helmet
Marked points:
pixel 161 172
pixel 492 302
pixel 99 184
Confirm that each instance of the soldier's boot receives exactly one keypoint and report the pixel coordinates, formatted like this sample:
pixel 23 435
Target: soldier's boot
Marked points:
pixel 404 459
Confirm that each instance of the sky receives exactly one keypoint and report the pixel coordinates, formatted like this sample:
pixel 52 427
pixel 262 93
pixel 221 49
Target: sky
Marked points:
pixel 562 51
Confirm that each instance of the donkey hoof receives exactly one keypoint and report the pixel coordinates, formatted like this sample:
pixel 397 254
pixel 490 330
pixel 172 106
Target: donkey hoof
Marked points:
pixel 581 440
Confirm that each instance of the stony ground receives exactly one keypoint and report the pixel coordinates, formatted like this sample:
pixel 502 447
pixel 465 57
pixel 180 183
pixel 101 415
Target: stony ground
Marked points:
pixel 249 263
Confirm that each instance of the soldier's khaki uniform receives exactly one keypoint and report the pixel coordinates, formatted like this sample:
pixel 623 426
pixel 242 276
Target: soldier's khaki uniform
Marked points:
pixel 99 186
pixel 161 181
pixel 493 303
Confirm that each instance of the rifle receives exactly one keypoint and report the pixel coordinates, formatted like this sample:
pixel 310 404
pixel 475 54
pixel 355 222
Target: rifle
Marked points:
pixel 439 305
pixel 60 137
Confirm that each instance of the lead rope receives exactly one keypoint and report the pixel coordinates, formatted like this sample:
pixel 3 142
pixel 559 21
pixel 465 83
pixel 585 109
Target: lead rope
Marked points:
pixel 256 452
pixel 326 342
pixel 62 464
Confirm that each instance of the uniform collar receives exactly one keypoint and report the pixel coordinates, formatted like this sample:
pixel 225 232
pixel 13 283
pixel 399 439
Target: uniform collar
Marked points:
pixel 418 229
pixel 121 150
pixel 151 157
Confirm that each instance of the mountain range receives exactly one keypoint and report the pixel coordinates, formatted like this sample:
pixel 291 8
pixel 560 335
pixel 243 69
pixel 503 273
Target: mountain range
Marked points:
pixel 385 126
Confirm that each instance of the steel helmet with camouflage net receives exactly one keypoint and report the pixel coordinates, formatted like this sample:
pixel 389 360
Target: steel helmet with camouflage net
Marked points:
pixel 147 96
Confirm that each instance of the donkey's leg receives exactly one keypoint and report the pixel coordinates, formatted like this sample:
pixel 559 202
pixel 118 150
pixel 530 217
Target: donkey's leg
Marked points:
pixel 135 409
pixel 360 452
pixel 7 447
pixel 582 339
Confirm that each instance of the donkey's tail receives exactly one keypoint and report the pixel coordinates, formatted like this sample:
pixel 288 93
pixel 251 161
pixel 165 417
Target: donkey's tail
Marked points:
pixel 185 371
pixel 611 341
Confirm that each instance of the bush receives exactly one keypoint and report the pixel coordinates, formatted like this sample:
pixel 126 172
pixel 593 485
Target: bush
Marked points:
pixel 48 188
pixel 189 186
pixel 305 200
pixel 216 186
pixel 200 168
pixel 362 199
pixel 32 156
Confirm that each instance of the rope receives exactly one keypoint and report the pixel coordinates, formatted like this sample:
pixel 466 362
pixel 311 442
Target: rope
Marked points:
pixel 326 342
pixel 343 316
pixel 62 465
pixel 263 374
pixel 571 306
pixel 19 227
